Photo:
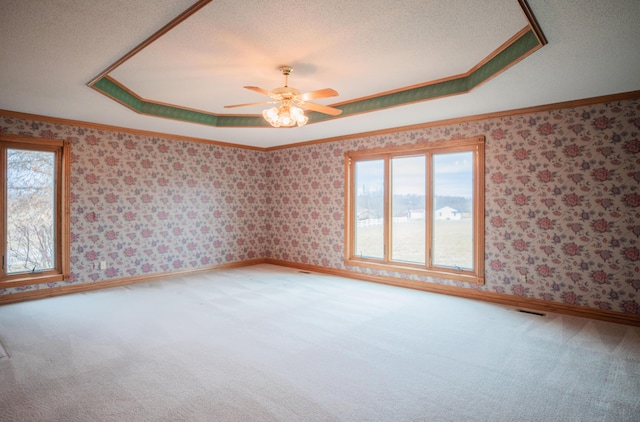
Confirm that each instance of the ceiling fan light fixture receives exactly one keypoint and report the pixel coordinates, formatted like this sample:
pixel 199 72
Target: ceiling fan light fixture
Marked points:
pixel 298 114
pixel 285 116
pixel 290 112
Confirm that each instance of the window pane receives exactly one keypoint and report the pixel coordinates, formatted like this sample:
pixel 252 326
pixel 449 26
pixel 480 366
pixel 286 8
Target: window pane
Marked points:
pixel 453 210
pixel 30 210
pixel 408 209
pixel 369 227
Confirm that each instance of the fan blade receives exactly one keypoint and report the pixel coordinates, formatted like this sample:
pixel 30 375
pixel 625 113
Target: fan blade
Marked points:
pixel 320 93
pixel 321 108
pixel 259 90
pixel 248 104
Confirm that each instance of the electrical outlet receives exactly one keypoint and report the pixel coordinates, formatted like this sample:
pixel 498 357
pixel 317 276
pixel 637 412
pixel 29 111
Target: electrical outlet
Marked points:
pixel 524 278
pixel 103 265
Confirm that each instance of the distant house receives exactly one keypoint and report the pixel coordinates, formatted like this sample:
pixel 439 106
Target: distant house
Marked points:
pixel 448 213
pixel 366 214
pixel 416 214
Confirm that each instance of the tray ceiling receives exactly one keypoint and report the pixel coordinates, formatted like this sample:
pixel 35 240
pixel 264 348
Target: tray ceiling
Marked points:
pixel 387 61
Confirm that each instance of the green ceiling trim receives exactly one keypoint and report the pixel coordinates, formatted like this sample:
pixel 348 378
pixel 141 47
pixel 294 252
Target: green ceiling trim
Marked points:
pixel 497 64
pixel 177 113
pixel 109 88
pixel 231 120
pixel 520 48
pixel 527 43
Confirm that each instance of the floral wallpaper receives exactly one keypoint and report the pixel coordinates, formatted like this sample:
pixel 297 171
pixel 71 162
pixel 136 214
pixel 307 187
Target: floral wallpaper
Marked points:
pixel 150 205
pixel 562 203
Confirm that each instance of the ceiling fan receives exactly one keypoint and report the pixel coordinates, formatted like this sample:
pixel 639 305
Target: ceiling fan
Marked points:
pixel 292 101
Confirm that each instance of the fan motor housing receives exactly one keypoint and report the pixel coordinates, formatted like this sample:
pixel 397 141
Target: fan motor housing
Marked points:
pixel 286 92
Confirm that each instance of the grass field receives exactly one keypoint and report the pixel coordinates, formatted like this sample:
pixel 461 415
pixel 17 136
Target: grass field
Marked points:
pixel 453 242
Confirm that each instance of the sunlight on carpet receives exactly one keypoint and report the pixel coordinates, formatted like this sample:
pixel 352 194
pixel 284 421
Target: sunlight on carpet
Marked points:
pixel 3 352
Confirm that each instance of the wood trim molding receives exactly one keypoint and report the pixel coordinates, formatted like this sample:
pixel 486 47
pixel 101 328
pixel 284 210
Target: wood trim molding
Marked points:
pixel 110 128
pixel 125 281
pixel 524 43
pixel 468 293
pixel 472 293
pixel 65 221
pixel 533 21
pixel 631 95
pixel 159 33
pixel 61 149
pixel 451 78
pixel 474 145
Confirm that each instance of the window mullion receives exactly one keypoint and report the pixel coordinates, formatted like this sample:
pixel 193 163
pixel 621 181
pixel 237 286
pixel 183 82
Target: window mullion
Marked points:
pixel 58 211
pixel 428 210
pixel 445 244
pixel 3 179
pixel 387 209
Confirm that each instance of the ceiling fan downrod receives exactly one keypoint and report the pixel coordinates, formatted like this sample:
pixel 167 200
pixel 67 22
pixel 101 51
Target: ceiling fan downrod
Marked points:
pixel 286 71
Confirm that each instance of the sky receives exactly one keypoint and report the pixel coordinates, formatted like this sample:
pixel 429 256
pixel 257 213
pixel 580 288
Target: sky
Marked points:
pixel 453 175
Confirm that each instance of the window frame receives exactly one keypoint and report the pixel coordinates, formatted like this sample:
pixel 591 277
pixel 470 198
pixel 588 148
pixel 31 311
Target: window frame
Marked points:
pixel 62 242
pixel 475 145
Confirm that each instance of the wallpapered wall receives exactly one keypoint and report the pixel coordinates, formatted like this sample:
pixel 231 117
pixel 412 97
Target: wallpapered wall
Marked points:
pixel 151 205
pixel 562 203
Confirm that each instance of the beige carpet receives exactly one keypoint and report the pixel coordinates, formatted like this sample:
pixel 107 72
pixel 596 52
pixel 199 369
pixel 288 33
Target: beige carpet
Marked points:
pixel 266 343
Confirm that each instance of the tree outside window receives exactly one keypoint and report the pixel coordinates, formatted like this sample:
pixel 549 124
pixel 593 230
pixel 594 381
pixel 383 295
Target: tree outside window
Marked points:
pixel 35 230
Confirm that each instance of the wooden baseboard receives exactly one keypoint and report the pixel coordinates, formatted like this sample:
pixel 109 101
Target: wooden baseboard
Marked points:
pixel 470 293
pixel 125 281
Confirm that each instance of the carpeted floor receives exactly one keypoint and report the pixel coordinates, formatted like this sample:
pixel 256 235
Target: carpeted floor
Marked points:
pixel 267 343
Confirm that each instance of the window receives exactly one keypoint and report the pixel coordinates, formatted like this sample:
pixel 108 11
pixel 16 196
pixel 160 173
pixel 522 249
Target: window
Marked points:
pixel 35 210
pixel 418 209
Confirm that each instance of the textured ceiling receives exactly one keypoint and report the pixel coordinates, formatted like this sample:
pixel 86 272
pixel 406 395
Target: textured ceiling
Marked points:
pixel 51 50
pixel 204 62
